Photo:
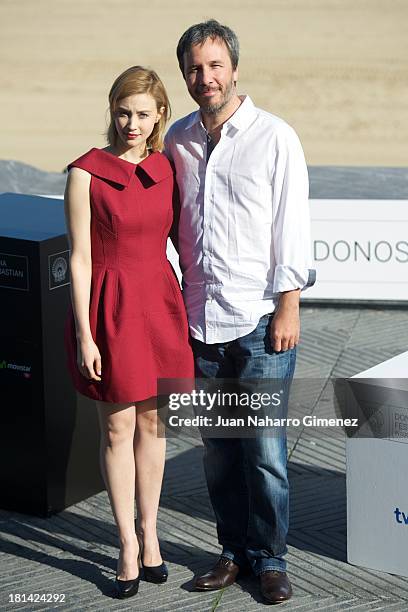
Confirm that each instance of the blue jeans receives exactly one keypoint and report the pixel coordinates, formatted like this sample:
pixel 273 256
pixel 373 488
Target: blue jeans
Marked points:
pixel 247 477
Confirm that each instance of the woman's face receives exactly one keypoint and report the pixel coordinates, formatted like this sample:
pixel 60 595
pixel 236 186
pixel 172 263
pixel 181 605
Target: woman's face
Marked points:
pixel 135 118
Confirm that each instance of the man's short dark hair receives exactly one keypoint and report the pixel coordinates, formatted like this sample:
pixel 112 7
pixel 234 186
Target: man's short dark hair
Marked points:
pixel 197 35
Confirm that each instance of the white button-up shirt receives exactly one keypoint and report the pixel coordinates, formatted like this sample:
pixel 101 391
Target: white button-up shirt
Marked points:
pixel 244 229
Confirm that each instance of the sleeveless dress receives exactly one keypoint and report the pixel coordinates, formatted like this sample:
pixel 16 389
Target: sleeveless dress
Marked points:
pixel 136 312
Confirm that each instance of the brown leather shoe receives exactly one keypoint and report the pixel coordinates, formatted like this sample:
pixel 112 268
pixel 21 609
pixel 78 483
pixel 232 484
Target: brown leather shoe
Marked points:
pixel 275 586
pixel 223 574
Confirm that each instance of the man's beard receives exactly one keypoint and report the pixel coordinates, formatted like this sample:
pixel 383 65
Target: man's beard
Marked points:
pixel 213 109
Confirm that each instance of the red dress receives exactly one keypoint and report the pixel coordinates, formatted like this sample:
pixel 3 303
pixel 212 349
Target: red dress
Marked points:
pixel 136 312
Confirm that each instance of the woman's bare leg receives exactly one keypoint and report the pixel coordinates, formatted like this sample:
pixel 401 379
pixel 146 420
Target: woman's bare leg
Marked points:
pixel 149 450
pixel 117 424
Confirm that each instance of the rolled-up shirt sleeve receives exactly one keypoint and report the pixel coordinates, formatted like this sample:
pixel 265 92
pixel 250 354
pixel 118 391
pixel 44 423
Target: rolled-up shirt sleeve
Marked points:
pixel 291 241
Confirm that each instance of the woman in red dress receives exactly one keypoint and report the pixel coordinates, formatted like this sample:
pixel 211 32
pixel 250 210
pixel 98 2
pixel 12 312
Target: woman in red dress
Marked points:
pixel 128 326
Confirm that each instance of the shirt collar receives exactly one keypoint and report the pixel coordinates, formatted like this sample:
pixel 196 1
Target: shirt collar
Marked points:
pixel 193 119
pixel 242 117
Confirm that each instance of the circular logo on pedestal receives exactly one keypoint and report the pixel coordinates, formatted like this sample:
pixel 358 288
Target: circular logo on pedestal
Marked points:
pixel 59 269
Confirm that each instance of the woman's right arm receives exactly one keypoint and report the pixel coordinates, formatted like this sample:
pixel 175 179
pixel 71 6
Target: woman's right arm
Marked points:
pixel 78 219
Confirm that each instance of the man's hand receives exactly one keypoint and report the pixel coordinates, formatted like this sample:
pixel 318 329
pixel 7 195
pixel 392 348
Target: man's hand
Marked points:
pixel 285 326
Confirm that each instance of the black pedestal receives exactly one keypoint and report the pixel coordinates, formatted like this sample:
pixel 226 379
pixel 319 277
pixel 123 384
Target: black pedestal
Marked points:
pixel 49 451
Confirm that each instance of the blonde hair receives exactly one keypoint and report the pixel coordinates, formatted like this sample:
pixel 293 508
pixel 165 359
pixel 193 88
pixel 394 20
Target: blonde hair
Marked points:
pixel 139 80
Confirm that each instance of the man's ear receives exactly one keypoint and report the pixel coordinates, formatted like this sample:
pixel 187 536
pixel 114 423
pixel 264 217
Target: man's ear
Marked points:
pixel 235 76
pixel 183 72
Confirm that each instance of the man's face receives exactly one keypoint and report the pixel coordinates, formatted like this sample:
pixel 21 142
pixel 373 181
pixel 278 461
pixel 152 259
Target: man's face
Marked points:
pixel 209 75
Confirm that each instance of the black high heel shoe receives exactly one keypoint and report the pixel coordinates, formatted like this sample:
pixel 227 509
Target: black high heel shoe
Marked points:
pixel 157 573
pixel 128 588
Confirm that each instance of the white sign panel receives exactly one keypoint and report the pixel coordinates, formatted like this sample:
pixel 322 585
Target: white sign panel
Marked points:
pixel 360 249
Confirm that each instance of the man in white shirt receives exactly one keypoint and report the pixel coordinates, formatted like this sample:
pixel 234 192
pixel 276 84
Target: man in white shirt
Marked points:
pixel 244 246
